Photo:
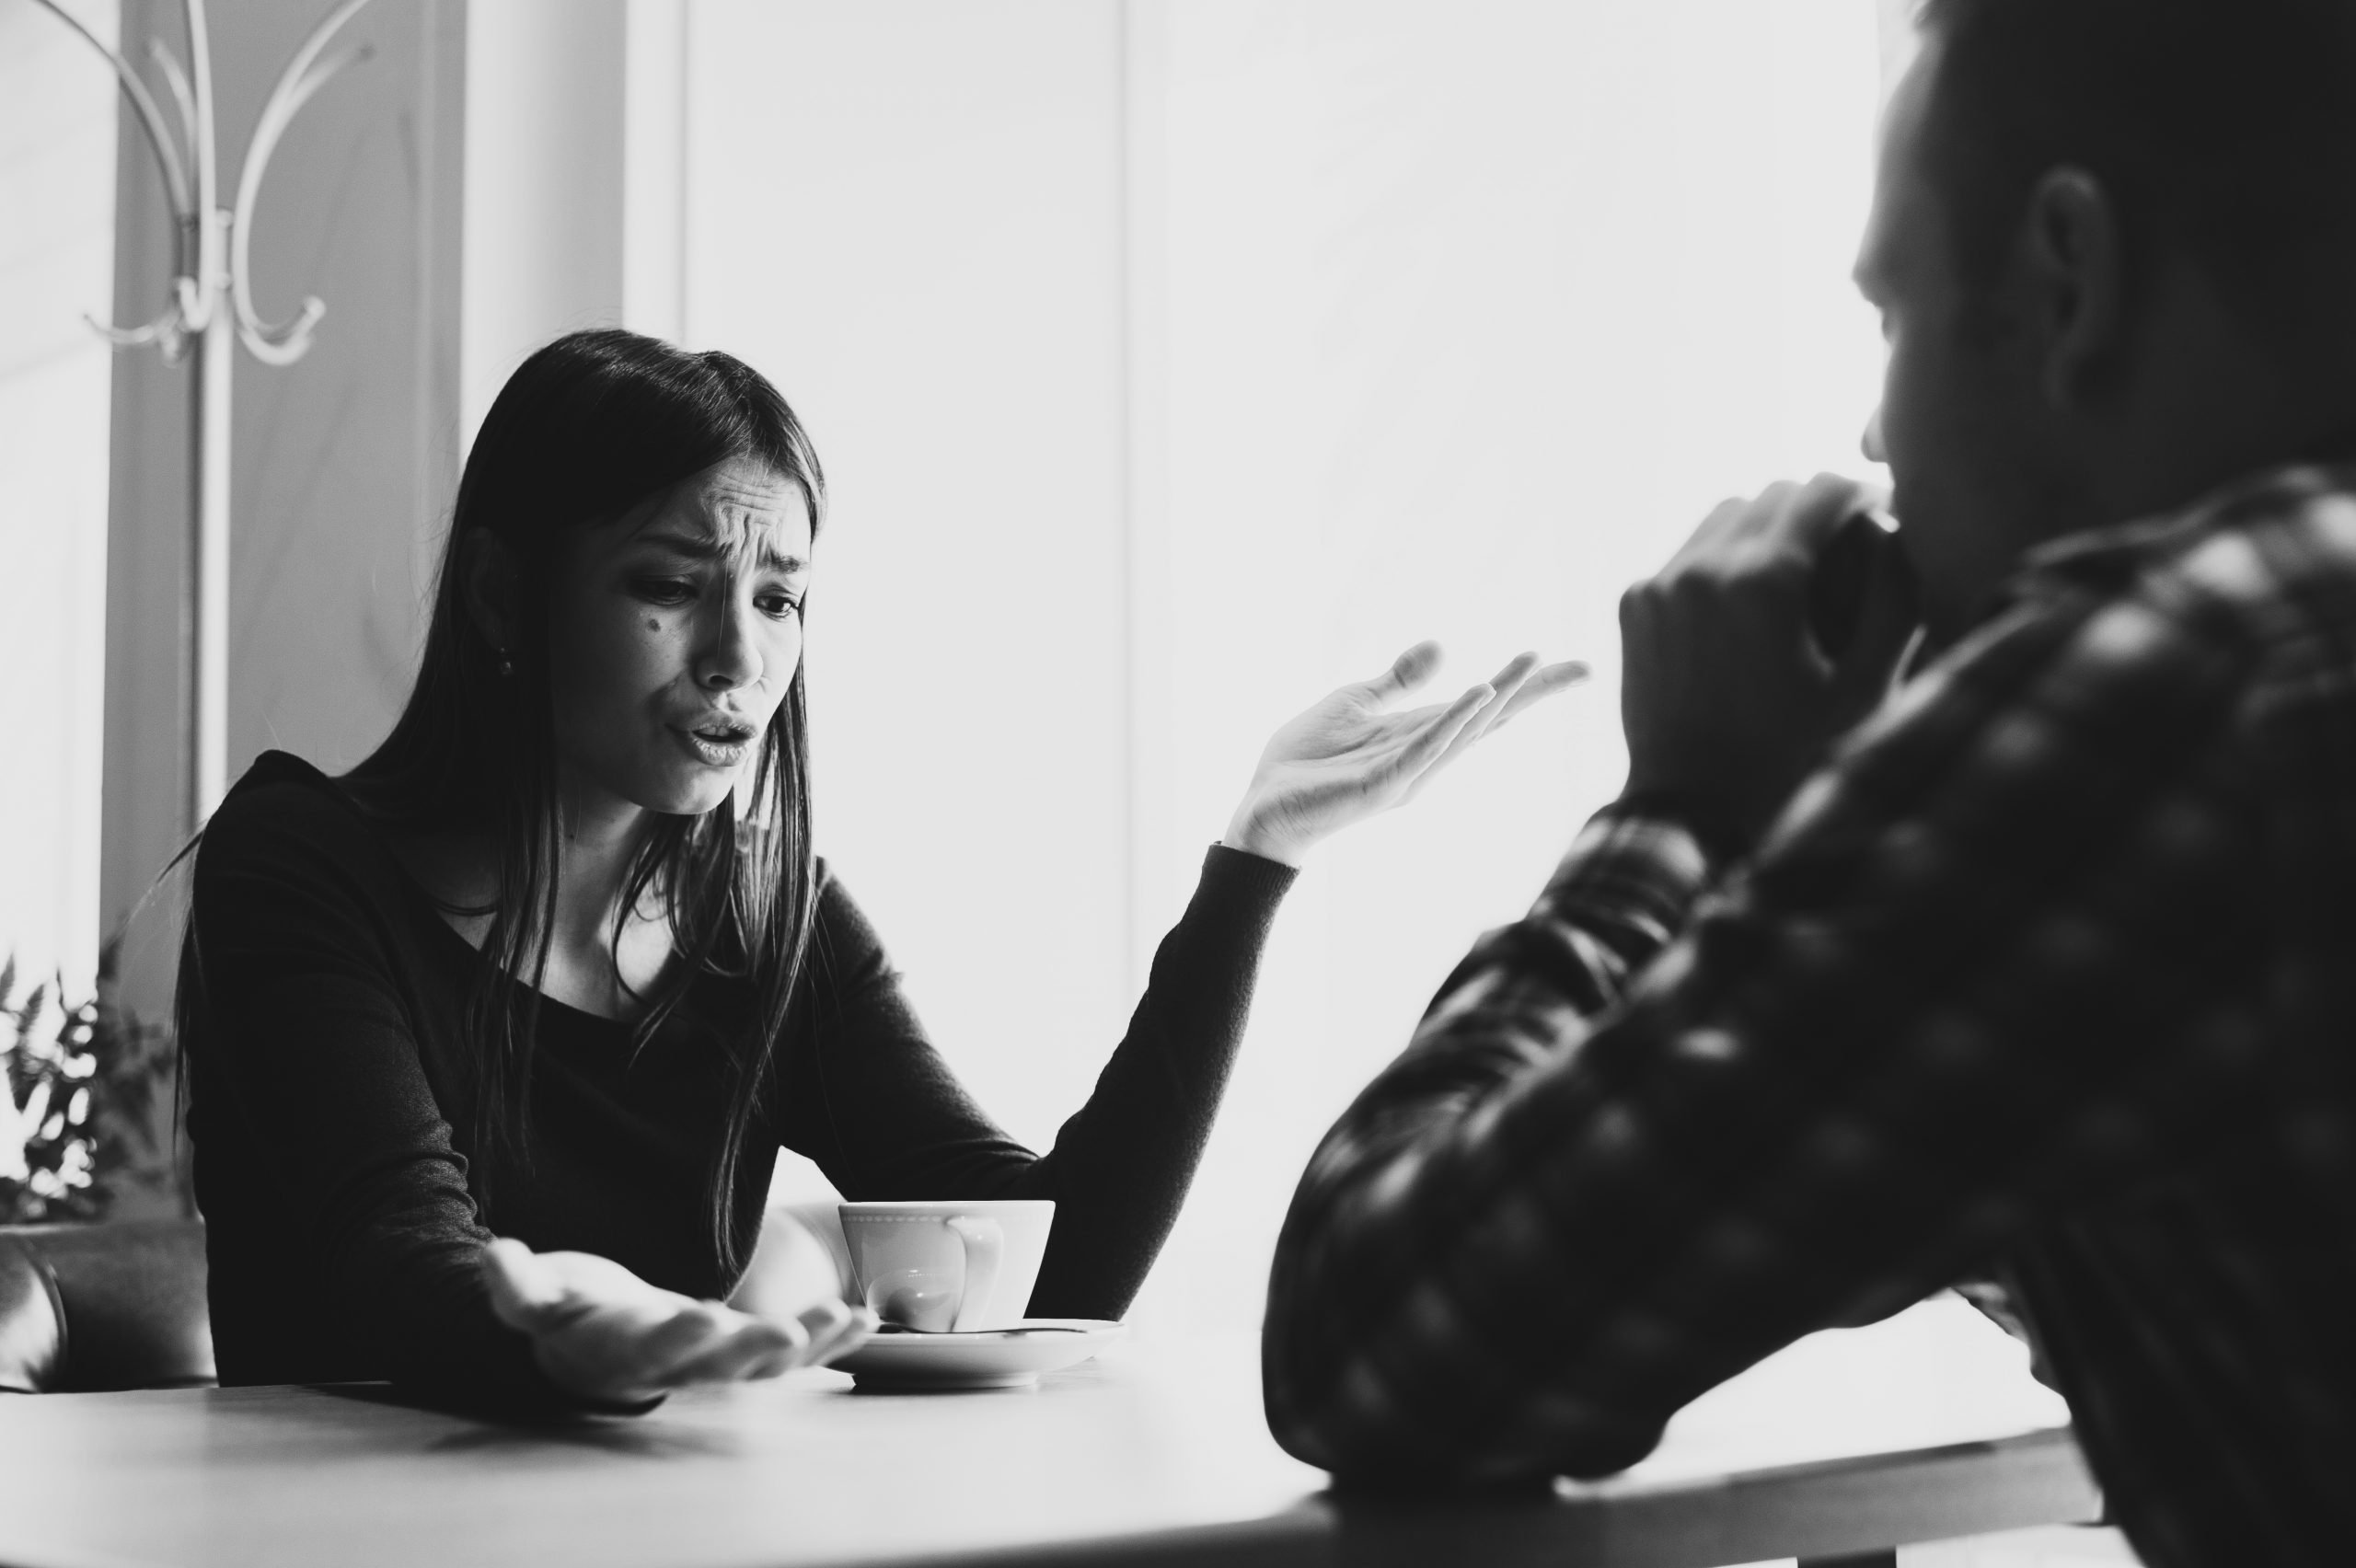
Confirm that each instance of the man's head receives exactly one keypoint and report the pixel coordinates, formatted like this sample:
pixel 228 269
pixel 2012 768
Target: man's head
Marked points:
pixel 2114 244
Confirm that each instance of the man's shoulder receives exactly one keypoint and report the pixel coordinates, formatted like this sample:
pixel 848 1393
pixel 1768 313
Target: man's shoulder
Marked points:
pixel 2260 569
pixel 2265 544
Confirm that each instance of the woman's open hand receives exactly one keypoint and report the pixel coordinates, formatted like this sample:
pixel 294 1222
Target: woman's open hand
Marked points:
pixel 1346 759
pixel 601 1333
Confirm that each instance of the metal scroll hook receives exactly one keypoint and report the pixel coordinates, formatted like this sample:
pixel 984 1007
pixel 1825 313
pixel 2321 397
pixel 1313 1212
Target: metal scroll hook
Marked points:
pixel 304 74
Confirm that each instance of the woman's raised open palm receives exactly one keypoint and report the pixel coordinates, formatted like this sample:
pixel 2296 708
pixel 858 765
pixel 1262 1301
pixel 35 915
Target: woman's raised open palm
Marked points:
pixel 1346 759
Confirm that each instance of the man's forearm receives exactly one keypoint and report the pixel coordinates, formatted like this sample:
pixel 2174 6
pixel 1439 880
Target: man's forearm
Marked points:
pixel 1522 995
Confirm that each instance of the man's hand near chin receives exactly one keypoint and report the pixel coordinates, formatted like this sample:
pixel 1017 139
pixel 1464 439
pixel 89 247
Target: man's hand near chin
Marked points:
pixel 1727 700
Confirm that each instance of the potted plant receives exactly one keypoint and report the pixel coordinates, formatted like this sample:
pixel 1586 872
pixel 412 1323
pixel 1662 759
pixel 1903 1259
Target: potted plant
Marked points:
pixel 86 1120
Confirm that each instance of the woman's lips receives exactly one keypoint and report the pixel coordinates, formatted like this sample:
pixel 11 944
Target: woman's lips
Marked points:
pixel 716 753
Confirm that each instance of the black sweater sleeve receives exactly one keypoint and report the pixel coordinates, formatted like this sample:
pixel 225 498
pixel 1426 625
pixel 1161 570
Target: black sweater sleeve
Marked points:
pixel 345 1239
pixel 879 1111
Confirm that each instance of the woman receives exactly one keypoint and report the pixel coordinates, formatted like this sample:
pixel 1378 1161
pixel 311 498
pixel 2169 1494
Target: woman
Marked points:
pixel 558 965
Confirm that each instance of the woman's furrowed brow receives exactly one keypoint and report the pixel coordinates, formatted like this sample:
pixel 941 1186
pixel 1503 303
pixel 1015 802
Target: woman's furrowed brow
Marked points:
pixel 703 546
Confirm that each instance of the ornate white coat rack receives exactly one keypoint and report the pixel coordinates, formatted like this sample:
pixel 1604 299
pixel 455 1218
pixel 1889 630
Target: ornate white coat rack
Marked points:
pixel 211 303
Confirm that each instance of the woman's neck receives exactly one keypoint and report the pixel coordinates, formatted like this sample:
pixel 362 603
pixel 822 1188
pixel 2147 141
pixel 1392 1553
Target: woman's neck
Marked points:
pixel 597 841
pixel 605 956
pixel 598 837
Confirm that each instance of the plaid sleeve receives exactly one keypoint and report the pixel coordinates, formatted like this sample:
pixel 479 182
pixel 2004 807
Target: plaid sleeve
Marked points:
pixel 1615 902
pixel 1987 965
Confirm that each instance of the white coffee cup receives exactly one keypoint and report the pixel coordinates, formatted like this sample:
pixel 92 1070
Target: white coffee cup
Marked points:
pixel 951 1266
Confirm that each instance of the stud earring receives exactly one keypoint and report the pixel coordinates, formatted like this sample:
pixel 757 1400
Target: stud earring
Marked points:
pixel 507 664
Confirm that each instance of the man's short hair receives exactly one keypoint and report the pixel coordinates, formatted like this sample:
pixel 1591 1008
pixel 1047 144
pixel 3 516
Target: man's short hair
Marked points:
pixel 2225 126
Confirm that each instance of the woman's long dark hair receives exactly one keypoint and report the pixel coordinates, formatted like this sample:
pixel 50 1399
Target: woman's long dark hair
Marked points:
pixel 587 428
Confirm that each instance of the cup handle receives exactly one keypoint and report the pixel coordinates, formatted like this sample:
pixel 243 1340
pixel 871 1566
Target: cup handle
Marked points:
pixel 984 1242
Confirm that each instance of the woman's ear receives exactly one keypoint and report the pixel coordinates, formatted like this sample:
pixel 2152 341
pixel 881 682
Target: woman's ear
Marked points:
pixel 2071 251
pixel 486 577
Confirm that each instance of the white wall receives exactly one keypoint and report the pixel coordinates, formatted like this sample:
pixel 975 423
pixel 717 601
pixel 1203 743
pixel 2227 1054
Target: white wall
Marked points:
pixel 1174 363
pixel 575 149
pixel 544 165
pixel 908 213
pixel 57 162
pixel 1472 309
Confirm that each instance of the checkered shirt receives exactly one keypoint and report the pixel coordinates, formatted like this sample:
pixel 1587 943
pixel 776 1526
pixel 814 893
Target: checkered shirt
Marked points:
pixel 2049 974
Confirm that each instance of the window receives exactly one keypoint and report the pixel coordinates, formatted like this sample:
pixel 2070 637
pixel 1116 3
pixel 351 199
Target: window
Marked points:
pixel 1172 364
pixel 57 178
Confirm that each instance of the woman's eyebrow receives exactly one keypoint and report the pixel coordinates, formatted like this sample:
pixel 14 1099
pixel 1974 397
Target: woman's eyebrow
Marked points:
pixel 702 547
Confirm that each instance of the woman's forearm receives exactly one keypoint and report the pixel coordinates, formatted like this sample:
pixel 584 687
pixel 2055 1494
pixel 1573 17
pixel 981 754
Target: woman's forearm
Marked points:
pixel 1122 1165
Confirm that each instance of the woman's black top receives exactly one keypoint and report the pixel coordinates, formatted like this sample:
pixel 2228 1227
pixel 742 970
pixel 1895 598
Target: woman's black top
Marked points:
pixel 325 1002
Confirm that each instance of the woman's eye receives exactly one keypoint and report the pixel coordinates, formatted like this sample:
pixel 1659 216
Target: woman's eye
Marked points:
pixel 778 605
pixel 664 590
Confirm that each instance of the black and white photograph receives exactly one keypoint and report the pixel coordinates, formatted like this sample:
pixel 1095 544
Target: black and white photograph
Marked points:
pixel 1178 783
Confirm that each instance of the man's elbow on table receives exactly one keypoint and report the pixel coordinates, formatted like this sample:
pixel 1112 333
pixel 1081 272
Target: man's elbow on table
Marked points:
pixel 1345 1417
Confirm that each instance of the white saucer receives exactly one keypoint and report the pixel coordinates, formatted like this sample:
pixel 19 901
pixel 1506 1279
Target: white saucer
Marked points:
pixel 998 1358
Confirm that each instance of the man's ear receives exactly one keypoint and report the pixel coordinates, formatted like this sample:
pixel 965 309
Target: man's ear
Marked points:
pixel 2071 261
pixel 487 583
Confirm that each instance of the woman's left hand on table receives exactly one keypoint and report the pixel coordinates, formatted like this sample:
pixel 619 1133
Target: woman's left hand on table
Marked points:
pixel 1346 759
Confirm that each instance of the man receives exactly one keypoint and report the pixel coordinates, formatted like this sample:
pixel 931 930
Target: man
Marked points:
pixel 2048 968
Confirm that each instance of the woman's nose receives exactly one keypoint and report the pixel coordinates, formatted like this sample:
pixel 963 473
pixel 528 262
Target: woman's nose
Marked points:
pixel 732 658
pixel 1871 445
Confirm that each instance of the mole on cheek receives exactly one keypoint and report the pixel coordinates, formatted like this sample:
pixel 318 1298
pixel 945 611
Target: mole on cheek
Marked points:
pixel 654 625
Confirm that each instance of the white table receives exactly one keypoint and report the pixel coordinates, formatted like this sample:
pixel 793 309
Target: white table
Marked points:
pixel 1923 1427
